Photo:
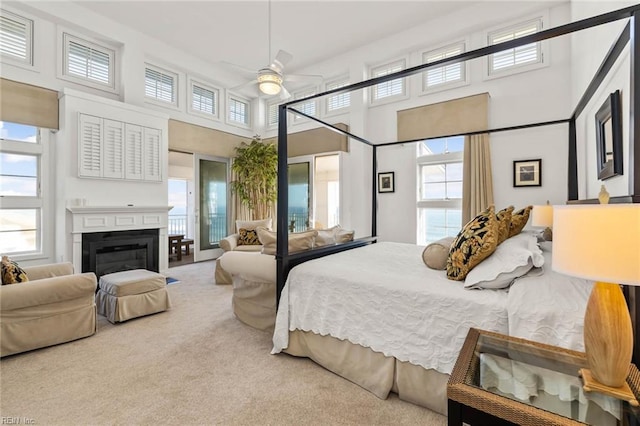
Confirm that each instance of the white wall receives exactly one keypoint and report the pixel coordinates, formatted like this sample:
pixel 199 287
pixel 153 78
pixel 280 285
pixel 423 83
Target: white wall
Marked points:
pixel 588 49
pixel 528 97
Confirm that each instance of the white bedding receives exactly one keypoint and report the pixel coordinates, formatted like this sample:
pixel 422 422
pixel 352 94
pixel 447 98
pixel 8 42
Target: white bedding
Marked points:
pixel 383 297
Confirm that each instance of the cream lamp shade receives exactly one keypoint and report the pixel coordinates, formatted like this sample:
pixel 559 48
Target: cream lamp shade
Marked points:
pixel 600 242
pixel 542 216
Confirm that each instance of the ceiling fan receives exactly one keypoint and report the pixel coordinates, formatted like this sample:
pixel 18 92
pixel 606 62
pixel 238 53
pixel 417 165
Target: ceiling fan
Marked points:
pixel 270 79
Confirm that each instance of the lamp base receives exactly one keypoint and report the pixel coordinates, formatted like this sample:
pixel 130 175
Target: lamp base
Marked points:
pixel 590 384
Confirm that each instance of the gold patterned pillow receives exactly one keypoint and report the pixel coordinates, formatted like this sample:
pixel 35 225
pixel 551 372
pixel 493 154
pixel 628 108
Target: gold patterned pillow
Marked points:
pixel 518 220
pixel 248 237
pixel 11 272
pixel 504 223
pixel 474 243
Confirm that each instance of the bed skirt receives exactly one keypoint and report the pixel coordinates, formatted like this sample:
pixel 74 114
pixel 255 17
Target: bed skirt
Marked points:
pixel 373 371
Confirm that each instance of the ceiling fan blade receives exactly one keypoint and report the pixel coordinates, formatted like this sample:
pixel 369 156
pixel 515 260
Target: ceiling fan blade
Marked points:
pixel 243 85
pixel 284 93
pixel 239 68
pixel 303 77
pixel 282 58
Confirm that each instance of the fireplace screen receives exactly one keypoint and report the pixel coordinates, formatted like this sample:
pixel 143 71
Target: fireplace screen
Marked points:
pixel 108 252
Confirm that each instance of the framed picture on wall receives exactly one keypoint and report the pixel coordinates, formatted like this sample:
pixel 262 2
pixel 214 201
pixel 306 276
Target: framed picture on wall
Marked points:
pixel 386 182
pixel 527 173
pixel 609 137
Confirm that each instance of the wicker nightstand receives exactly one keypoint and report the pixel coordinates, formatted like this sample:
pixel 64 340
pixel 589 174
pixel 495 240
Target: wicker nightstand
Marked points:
pixel 501 380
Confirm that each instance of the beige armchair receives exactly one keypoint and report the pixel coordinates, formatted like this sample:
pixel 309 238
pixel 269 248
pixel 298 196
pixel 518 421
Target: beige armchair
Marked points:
pixel 54 306
pixel 230 243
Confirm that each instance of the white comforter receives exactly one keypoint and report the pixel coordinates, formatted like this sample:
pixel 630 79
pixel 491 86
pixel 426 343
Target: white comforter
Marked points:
pixel 383 297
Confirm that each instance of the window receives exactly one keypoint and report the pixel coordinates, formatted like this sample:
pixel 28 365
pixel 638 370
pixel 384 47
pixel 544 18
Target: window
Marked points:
pixel 160 85
pixel 204 100
pixel 238 111
pixel 440 194
pixel 338 101
pixel 308 107
pixel 447 74
pixel 519 56
pixel 23 156
pixel 389 89
pixel 86 62
pixel 16 37
pixel 272 114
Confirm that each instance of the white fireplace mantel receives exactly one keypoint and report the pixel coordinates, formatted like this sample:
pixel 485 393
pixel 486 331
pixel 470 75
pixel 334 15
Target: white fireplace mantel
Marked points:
pixel 86 219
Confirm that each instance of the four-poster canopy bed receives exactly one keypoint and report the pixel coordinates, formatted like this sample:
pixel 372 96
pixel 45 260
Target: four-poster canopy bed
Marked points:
pixel 354 351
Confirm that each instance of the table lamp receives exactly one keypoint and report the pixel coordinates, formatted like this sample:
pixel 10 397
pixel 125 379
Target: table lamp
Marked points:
pixel 542 216
pixel 600 242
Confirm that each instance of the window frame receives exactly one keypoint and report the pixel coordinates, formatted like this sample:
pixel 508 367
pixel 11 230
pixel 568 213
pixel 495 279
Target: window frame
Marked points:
pixel 234 97
pixel 29 61
pixel 65 37
pixel 421 203
pixel 217 101
pixel 542 46
pixel 341 81
pixel 42 202
pixel 373 101
pixel 447 85
pixel 175 91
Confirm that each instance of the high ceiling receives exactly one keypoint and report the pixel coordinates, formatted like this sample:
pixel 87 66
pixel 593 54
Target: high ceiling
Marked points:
pixel 238 31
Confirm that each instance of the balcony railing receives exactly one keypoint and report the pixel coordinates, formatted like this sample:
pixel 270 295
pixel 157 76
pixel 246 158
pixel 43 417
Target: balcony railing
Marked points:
pixel 178 224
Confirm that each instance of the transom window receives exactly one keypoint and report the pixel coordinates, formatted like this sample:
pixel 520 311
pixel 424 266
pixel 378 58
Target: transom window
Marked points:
pixel 388 89
pixel 440 193
pixel 339 101
pixel 238 111
pixel 272 114
pixel 309 107
pixel 447 74
pixel 21 161
pixel 519 56
pixel 16 37
pixel 88 62
pixel 204 100
pixel 160 85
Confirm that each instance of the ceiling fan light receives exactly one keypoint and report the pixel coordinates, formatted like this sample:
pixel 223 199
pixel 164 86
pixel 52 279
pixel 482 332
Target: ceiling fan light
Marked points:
pixel 269 82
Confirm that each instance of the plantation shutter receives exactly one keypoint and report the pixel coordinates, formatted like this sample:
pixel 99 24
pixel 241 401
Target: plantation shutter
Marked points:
pixel 87 62
pixel 272 115
pixel 152 170
pixel 90 145
pixel 133 148
pixel 16 35
pixel 445 74
pixel 113 164
pixel 159 85
pixel 339 101
pixel 388 88
pixel 203 100
pixel 521 55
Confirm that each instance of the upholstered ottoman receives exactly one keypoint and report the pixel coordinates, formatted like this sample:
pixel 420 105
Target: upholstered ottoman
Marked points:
pixel 131 294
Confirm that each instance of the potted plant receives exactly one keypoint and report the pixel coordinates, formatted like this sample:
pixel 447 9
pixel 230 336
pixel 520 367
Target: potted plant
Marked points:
pixel 256 168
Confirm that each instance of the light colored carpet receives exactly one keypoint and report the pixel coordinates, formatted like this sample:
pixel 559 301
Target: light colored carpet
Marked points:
pixel 193 364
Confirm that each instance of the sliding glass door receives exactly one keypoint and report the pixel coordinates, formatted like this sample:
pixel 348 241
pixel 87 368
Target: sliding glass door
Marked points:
pixel 212 177
pixel 300 195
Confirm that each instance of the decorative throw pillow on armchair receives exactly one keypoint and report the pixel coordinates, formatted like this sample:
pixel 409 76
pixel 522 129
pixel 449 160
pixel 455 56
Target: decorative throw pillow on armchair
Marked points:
pixel 11 272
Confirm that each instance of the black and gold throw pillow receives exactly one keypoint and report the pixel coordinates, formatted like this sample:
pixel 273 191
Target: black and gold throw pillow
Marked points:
pixel 248 237
pixel 504 223
pixel 518 220
pixel 11 272
pixel 474 243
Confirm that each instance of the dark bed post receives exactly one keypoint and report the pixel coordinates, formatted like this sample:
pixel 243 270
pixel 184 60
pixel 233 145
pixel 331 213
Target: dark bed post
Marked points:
pixel 282 248
pixel 634 164
pixel 374 193
pixel 573 161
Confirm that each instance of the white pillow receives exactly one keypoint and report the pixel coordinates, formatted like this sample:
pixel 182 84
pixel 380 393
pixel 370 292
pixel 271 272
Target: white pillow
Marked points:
pixel 326 236
pixel 512 259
